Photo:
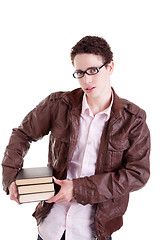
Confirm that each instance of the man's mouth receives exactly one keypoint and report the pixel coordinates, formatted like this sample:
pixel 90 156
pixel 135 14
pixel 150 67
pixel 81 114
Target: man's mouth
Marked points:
pixel 90 88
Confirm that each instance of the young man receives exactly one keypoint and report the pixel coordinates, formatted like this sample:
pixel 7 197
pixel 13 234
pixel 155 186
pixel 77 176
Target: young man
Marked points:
pixel 99 149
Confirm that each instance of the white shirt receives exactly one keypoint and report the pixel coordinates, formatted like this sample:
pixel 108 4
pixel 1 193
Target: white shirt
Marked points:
pixel 76 219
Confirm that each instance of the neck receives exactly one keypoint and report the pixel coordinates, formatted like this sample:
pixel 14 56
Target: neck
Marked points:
pixel 100 103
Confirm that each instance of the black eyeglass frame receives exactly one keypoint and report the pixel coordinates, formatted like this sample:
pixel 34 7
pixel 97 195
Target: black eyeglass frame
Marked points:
pixel 83 72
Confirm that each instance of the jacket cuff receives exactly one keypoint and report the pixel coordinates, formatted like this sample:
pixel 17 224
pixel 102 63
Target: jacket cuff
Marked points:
pixel 6 189
pixel 79 192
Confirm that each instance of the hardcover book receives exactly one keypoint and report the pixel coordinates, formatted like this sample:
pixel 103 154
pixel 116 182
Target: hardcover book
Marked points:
pixel 25 189
pixel 35 197
pixel 27 176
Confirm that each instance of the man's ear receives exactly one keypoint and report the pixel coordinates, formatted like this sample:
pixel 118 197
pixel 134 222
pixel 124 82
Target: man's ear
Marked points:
pixel 111 67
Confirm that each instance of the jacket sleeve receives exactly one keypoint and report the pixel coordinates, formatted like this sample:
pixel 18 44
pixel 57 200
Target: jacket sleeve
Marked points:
pixel 34 126
pixel 133 174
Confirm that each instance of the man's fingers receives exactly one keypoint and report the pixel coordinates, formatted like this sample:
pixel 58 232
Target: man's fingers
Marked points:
pixel 13 192
pixel 66 192
pixel 59 182
pixel 54 199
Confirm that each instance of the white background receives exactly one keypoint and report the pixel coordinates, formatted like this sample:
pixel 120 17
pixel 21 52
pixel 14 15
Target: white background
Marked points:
pixel 35 42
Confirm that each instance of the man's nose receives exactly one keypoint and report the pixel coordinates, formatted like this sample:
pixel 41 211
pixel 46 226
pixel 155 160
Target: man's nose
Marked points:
pixel 87 78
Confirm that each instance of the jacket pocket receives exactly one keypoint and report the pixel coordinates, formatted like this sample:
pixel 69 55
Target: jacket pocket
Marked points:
pixel 113 208
pixel 58 152
pixel 116 150
pixel 113 161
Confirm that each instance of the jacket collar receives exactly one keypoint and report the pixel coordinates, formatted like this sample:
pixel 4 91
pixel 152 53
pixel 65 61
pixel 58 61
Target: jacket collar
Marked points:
pixel 75 101
pixel 74 98
pixel 117 106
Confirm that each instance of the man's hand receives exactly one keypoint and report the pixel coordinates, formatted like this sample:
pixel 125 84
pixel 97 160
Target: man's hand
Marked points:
pixel 13 192
pixel 66 192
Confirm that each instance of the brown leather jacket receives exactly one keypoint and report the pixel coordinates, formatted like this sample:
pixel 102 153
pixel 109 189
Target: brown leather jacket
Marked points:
pixel 122 163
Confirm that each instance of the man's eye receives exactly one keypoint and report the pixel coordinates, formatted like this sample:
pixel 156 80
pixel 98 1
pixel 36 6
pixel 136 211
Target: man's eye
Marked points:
pixel 92 70
pixel 80 73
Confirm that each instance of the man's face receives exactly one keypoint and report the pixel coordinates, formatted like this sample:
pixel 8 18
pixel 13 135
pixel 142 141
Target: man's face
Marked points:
pixel 94 85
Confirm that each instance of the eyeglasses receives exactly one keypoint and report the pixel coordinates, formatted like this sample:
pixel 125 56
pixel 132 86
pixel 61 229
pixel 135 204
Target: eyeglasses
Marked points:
pixel 89 71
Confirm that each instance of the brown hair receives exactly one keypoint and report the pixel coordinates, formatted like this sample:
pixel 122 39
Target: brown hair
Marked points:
pixel 94 45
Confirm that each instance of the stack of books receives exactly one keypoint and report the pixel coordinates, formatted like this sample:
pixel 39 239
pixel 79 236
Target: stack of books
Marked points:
pixel 35 184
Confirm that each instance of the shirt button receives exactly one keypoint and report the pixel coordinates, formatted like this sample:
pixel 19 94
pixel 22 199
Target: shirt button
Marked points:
pixel 83 202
